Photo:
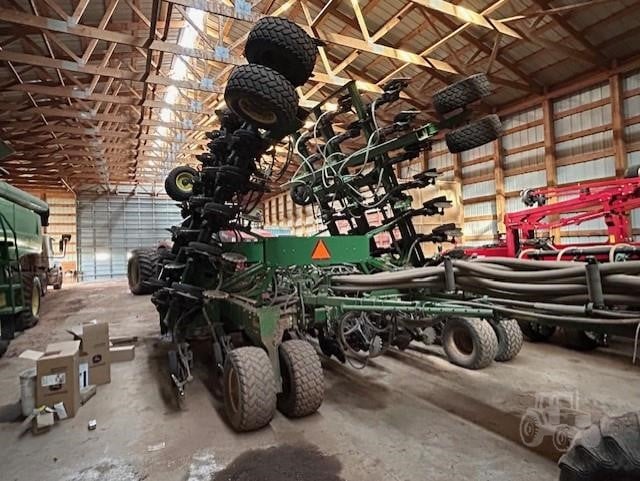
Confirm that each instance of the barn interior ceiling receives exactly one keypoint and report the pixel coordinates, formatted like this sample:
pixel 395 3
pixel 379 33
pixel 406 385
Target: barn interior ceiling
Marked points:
pixel 111 94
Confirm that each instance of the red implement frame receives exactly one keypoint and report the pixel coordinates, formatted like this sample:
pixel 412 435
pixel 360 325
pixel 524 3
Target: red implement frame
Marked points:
pixel 612 200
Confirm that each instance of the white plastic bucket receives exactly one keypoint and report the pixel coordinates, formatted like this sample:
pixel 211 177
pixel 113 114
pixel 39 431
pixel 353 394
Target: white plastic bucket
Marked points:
pixel 28 391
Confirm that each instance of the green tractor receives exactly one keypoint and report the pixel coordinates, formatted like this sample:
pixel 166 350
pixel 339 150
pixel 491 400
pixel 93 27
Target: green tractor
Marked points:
pixel 21 219
pixel 24 263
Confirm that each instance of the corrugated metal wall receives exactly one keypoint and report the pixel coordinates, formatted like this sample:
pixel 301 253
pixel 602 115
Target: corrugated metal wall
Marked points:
pixel 441 159
pixel 109 227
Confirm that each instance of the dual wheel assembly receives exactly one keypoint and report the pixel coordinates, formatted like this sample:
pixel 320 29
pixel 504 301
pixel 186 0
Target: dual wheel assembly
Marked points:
pixel 476 343
pixel 250 389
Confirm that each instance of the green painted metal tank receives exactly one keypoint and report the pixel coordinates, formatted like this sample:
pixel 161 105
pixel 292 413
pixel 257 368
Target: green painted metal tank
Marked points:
pixel 25 214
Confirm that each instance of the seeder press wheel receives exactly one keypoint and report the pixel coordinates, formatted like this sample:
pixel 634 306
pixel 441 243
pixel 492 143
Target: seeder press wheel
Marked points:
pixel 250 393
pixel 470 343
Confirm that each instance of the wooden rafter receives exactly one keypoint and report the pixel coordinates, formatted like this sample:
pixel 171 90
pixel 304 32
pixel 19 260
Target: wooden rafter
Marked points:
pixel 94 96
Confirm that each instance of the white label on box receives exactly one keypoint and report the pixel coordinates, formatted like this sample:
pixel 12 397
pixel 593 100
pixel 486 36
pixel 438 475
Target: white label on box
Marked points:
pixel 83 371
pixel 53 379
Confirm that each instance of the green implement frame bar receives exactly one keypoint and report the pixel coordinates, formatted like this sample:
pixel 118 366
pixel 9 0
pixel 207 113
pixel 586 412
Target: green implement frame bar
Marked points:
pixel 290 251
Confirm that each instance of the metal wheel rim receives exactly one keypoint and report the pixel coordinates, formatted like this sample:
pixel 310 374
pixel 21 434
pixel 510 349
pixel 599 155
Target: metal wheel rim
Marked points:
pixel 233 390
pixel 184 182
pixel 257 110
pixel 463 341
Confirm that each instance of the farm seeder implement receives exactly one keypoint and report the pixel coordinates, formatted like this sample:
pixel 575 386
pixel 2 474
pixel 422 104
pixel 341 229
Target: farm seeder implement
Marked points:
pixel 267 302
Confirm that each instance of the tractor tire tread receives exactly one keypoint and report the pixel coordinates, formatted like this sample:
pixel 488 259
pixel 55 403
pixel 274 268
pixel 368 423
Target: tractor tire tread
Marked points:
pixel 297 51
pixel 484 340
pixel 308 379
pixel 26 319
pixel 147 259
pixel 460 94
pixel 267 85
pixel 510 339
pixel 473 135
pixel 257 388
pixel 608 449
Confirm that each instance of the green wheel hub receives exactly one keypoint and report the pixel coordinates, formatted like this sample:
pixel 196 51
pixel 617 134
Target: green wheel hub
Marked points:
pixel 184 182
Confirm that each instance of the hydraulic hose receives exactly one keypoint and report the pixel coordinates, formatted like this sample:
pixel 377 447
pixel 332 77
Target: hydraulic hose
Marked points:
pixel 550 291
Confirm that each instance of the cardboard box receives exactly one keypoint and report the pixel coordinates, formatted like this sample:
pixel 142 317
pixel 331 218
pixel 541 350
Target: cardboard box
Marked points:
pixel 94 351
pixel 57 376
pixel 122 353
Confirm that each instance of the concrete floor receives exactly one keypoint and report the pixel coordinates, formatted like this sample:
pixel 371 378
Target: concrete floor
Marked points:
pixel 408 416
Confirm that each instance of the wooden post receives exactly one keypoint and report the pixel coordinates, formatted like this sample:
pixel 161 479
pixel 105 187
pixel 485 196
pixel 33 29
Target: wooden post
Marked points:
pixel 550 158
pixel 498 173
pixel 617 117
pixel 457 168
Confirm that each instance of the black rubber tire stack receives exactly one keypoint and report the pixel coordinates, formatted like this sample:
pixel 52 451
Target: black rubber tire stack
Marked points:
pixel 302 379
pixel 281 57
pixel 608 450
pixel 460 94
pixel 283 46
pixel 480 346
pixel 473 135
pixel 251 373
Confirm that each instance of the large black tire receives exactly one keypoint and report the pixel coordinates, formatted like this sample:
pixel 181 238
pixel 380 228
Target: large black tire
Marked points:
pixel 4 345
pixel 179 183
pixel 469 343
pixel 32 297
pixel 510 339
pixel 283 46
pixel 140 269
pixel 473 135
pixel 249 388
pixel 579 340
pixel 536 332
pixel 302 379
pixel 608 450
pixel 262 97
pixel 462 93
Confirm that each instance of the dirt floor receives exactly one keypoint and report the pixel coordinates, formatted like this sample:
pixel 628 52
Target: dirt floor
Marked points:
pixel 407 416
